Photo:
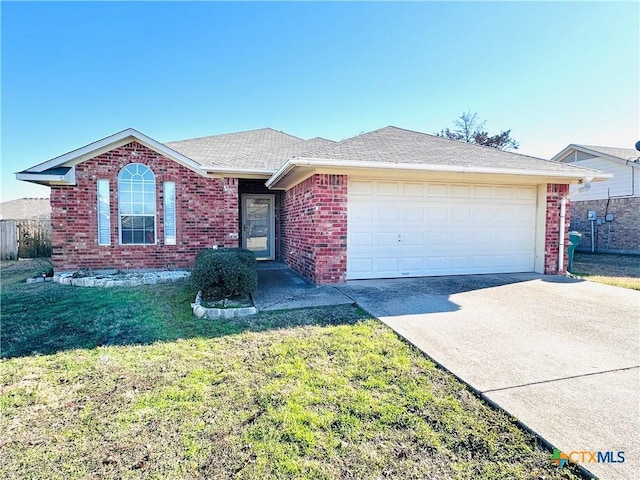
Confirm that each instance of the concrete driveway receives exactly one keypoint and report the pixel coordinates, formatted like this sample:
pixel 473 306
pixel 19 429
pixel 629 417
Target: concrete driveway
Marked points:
pixel 559 354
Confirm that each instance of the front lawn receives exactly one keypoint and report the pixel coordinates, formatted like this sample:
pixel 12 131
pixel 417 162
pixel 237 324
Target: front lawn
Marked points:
pixel 612 269
pixel 125 383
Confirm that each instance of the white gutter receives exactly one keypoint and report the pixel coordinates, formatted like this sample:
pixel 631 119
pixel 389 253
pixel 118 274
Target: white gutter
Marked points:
pixel 563 219
pixel 319 162
pixel 238 171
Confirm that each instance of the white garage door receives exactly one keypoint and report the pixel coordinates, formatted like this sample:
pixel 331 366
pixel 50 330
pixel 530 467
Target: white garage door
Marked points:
pixel 411 229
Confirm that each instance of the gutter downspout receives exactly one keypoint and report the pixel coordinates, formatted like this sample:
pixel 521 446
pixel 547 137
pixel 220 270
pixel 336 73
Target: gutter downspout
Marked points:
pixel 563 216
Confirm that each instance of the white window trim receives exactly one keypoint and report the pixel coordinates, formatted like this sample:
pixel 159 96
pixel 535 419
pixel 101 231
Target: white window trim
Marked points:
pixel 169 240
pixel 155 213
pixel 104 216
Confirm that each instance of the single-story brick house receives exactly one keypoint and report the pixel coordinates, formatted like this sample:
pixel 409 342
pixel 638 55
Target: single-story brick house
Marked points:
pixel 388 203
pixel 615 227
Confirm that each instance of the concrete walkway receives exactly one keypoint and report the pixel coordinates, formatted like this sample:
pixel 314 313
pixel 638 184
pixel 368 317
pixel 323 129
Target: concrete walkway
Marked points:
pixel 279 288
pixel 559 354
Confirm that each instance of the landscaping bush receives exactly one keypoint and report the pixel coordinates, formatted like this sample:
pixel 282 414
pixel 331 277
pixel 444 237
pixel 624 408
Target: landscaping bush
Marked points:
pixel 225 273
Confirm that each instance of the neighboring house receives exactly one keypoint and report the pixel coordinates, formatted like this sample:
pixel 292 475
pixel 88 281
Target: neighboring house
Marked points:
pixel 388 203
pixel 23 208
pixel 616 202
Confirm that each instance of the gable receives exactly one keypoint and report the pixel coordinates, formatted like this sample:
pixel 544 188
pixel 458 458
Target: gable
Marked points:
pixel 61 170
pixel 577 153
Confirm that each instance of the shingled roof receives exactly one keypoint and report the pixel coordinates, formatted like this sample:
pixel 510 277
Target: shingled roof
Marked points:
pixel 270 153
pixel 265 148
pixel 400 146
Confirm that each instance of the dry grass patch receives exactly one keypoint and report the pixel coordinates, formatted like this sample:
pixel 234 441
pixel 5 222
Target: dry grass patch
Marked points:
pixel 611 269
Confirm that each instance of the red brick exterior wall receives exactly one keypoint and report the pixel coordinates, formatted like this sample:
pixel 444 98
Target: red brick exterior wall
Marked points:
pixel 621 235
pixel 313 219
pixel 206 215
pixel 314 227
pixel 552 236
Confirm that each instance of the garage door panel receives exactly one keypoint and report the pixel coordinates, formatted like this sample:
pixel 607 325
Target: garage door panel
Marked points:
pixel 503 215
pixel 361 266
pixel 482 261
pixel 360 213
pixel 504 193
pixel 360 187
pixel 461 191
pixel 387 240
pixel 437 190
pixel 433 239
pixel 361 239
pixel 483 191
pixel 418 229
pixel 436 264
pixel 436 214
pixel 413 189
pixel 459 263
pixel 459 239
pixel 388 188
pixel 483 238
pixel 481 216
pixel 412 214
pixel 525 193
pixel 460 214
pixel 409 239
pixel 387 265
pixel 410 266
pixel 522 214
pixel 388 214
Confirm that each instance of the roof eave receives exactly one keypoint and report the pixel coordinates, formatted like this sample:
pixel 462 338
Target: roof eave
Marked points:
pixel 277 180
pixel 219 172
pixel 48 179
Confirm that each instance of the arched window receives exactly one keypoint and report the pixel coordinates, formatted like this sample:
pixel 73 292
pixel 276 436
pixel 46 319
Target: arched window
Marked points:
pixel 137 204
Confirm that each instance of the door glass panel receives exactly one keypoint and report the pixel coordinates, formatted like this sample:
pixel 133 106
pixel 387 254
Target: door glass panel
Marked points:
pixel 258 219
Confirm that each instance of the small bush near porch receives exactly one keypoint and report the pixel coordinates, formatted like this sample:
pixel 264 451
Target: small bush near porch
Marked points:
pixel 224 273
pixel 125 383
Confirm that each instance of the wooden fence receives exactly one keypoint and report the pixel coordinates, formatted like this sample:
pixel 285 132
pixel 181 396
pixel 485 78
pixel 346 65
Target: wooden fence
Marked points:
pixel 8 240
pixel 29 238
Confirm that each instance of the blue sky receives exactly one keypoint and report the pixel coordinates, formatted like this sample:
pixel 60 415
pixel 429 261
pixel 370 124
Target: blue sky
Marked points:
pixel 554 73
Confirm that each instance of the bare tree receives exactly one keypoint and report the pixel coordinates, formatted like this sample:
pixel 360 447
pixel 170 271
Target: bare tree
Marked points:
pixel 468 128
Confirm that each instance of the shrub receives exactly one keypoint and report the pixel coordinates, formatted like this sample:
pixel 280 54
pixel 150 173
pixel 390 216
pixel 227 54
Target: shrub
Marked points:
pixel 224 273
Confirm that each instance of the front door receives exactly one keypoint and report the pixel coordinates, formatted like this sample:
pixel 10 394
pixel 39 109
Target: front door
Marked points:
pixel 258 225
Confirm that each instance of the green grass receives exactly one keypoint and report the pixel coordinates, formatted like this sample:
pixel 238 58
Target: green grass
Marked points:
pixel 611 269
pixel 125 383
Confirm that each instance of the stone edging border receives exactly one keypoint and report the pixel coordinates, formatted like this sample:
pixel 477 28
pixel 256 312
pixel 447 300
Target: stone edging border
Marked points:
pixel 212 313
pixel 130 280
pixel 39 279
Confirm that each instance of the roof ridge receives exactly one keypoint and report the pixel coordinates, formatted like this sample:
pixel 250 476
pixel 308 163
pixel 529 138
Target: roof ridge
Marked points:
pixel 471 145
pixel 234 133
pixel 320 138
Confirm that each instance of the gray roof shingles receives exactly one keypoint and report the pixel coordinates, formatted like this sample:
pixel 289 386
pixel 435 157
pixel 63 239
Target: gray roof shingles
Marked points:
pixel 397 145
pixel 268 149
pixel 263 149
